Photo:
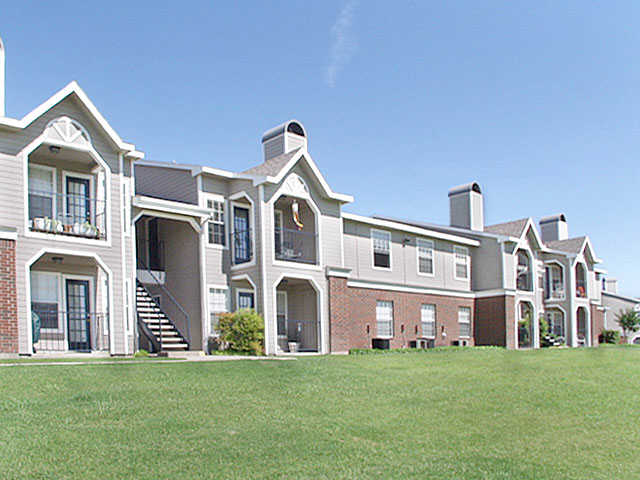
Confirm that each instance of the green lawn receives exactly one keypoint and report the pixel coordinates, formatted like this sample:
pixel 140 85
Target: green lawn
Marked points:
pixel 449 414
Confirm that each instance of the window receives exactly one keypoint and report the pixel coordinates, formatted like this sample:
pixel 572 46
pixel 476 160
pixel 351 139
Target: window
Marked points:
pixel 555 319
pixel 428 320
pixel 281 313
pixel 384 319
pixel 216 226
pixel 464 321
pixel 218 303
pixel 381 248
pixel 425 256
pixel 461 256
pixel 245 299
pixel 45 300
pixel 523 276
pixel 581 281
pixel 42 188
pixel 553 283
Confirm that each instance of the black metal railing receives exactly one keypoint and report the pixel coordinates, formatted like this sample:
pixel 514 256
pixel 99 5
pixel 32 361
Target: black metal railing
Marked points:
pixel 556 290
pixel 171 310
pixel 241 244
pixel 302 333
pixel 295 245
pixel 74 330
pixel 67 214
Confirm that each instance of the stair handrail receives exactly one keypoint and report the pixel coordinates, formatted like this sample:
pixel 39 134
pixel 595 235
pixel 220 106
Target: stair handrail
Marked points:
pixel 173 299
pixel 157 345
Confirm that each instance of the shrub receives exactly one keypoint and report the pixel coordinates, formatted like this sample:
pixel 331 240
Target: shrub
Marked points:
pixel 242 331
pixel 141 354
pixel 629 321
pixel 609 336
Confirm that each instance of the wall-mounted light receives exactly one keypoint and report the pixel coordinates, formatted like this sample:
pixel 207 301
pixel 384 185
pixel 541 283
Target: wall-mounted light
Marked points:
pixel 54 149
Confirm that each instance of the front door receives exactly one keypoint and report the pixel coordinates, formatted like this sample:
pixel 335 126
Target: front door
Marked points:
pixel 78 200
pixel 241 234
pixel 78 315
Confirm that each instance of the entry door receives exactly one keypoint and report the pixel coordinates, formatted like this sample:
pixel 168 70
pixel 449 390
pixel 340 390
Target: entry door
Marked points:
pixel 78 315
pixel 245 300
pixel 78 200
pixel 241 234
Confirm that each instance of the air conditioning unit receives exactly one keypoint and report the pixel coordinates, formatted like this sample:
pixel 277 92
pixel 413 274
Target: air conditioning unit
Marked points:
pixel 380 343
pixel 425 343
pixel 464 343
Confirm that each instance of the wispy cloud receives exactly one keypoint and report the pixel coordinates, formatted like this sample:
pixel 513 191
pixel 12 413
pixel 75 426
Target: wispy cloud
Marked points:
pixel 343 42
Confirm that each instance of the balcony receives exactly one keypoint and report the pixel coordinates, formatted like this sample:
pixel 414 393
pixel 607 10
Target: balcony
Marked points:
pixel 295 246
pixel 581 289
pixel 67 214
pixel 241 245
pixel 60 331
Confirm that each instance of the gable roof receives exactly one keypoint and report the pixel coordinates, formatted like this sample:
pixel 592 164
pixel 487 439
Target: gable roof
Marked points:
pixel 570 245
pixel 273 166
pixel 73 89
pixel 514 228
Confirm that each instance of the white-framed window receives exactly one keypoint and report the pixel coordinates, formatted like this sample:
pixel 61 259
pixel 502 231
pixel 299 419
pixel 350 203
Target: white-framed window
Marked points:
pixel 464 321
pixel 381 242
pixel 126 207
pixel 428 320
pixel 218 304
pixel 216 226
pixel 524 274
pixel 425 256
pixel 554 282
pixel 45 300
pixel 42 192
pixel 555 321
pixel 461 263
pixel 384 319
pixel 281 313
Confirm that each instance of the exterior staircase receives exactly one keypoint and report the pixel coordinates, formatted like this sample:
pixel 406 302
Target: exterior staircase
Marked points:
pixel 154 321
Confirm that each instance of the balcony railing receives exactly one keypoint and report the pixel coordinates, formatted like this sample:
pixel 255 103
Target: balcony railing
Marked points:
pixel 76 330
pixel 241 243
pixel 556 291
pixel 295 246
pixel 67 214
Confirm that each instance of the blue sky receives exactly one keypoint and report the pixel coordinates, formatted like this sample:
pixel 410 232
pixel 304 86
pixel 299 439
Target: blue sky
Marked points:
pixel 537 101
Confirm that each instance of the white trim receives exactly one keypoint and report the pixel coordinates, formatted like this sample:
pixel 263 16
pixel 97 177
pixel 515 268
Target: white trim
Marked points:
pixel 263 271
pixel 586 280
pixel 393 320
pixel 204 197
pixel 433 256
pixel 286 312
pixel 587 326
pixel 34 258
pixel 435 321
pixel 322 321
pixel 205 326
pixel 535 327
pixel 465 337
pixel 72 88
pixel 244 276
pixel 532 273
pixel 61 302
pixel 8 235
pixel 63 286
pixel 565 320
pixel 238 291
pixel 410 229
pixel 278 213
pixel 341 272
pixel 408 289
pixel 564 280
pixel 207 309
pixel 233 202
pixel 496 292
pixel 457 250
pixel 54 193
pixel 373 253
pixel 125 197
pixel 169 206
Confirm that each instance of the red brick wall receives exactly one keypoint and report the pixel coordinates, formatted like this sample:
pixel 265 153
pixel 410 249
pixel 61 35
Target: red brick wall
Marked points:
pixel 8 300
pixel 495 321
pixel 353 310
pixel 597 324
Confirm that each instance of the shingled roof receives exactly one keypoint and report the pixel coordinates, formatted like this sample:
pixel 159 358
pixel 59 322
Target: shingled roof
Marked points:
pixel 570 245
pixel 511 229
pixel 273 166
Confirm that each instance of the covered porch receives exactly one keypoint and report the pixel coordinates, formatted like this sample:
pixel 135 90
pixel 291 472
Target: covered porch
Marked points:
pixel 297 316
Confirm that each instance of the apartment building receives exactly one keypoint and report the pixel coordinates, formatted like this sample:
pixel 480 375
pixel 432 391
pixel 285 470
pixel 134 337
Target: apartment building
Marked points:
pixel 102 250
pixel 614 304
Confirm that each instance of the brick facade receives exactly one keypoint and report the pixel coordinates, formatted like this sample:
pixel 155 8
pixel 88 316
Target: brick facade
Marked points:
pixel 597 323
pixel 495 321
pixel 352 314
pixel 8 299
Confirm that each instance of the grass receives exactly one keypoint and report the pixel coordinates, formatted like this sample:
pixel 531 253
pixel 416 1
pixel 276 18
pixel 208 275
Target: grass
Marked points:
pixel 472 414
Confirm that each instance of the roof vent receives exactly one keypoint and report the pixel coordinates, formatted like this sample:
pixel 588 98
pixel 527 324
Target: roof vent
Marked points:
pixel 283 139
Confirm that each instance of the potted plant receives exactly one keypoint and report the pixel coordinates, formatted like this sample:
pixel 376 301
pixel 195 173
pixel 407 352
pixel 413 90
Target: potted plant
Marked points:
pixel 39 223
pixel 77 228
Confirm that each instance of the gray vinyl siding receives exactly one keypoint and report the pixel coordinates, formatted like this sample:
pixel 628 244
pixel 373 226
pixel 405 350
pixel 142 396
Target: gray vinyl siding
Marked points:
pixel 486 265
pixel 216 185
pixel 166 183
pixel 616 305
pixel 13 214
pixel 274 147
pixel 404 267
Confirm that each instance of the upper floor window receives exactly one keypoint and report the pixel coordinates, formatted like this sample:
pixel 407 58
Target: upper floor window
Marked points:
pixel 464 321
pixel 216 231
pixel 553 282
pixel 425 256
pixel 461 257
pixel 381 248
pixel 524 275
pixel 384 319
pixel 581 281
pixel 428 320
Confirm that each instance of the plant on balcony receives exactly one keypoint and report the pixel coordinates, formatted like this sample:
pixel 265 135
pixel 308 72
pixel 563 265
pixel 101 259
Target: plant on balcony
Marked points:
pixel 242 331
pixel 629 321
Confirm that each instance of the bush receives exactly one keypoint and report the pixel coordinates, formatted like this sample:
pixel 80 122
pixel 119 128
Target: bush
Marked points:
pixel 242 331
pixel 400 351
pixel 610 336
pixel 141 354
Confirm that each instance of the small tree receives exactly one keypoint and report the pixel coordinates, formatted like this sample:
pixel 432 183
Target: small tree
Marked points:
pixel 629 321
pixel 243 331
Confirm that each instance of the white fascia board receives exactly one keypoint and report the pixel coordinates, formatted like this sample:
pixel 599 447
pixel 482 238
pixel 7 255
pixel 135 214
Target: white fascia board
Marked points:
pixel 71 88
pixel 170 206
pixel 410 229
pixel 408 289
pixel 532 226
